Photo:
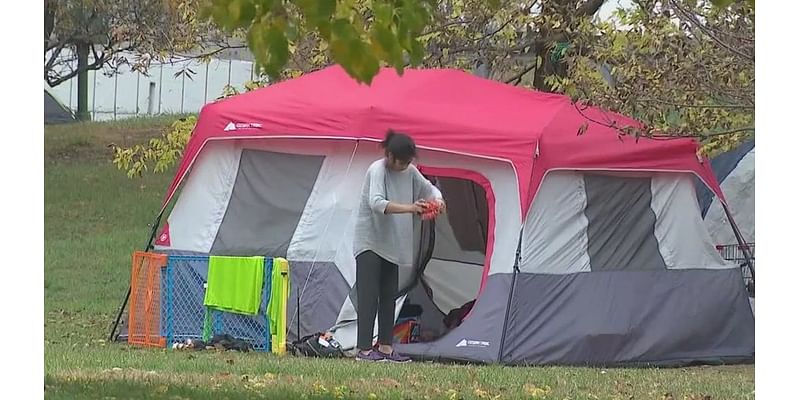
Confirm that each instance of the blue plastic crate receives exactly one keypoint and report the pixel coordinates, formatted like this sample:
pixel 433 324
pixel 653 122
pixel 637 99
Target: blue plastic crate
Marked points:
pixel 183 312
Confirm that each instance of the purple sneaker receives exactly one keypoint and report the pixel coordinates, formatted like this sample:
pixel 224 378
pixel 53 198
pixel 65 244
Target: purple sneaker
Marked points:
pixel 373 356
pixel 394 357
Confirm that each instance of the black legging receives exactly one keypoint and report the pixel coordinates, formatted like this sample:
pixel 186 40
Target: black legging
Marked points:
pixel 376 286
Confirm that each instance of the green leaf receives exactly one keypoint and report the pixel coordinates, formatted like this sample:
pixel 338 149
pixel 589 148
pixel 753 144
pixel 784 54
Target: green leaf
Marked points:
pixel 417 52
pixel 265 4
pixel 387 46
pixel 384 14
pixel 326 9
pixel 277 49
pixel 240 13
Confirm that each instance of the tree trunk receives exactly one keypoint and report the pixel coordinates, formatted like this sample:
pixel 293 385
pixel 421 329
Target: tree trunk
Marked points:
pixel 82 50
pixel 49 19
pixel 549 67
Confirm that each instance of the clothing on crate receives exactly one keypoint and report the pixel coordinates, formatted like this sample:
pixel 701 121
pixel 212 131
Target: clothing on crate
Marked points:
pixel 235 284
pixel 276 309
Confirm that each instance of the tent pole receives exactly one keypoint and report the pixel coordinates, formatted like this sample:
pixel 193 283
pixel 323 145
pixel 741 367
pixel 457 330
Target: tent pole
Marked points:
pixel 147 247
pixel 298 316
pixel 483 229
pixel 510 297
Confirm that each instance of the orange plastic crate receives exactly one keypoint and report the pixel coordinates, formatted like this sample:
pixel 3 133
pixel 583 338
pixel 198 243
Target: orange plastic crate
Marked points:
pixel 144 313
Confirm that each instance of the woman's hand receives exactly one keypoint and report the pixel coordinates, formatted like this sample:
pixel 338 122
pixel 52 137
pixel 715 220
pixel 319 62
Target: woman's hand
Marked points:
pixel 431 209
pixel 419 207
pixel 442 206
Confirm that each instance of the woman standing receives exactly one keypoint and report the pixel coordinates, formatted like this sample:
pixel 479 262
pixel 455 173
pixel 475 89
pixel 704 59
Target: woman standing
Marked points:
pixel 394 192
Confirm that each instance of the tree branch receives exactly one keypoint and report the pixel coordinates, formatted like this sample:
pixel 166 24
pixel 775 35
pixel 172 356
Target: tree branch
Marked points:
pixel 709 106
pixel 53 57
pixel 728 132
pixel 518 77
pixel 649 133
pixel 443 27
pixel 213 52
pixel 55 81
pixel 703 135
pixel 693 20
pixel 94 52
pixel 99 61
pixel 496 31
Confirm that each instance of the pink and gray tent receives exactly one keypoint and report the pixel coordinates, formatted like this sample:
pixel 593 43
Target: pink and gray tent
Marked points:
pixel 577 249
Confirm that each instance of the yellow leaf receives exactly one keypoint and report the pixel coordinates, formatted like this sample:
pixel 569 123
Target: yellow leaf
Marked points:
pixel 537 392
pixel 319 388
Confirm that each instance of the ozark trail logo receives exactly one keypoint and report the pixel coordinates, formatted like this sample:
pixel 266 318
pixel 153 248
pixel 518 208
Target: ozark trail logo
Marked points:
pixel 472 343
pixel 232 126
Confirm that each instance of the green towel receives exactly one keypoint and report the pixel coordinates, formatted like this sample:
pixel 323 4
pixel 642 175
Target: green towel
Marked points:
pixel 234 284
pixel 276 310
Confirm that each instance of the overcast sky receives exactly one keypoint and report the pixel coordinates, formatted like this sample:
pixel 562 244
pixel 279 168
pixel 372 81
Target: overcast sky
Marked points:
pixel 610 6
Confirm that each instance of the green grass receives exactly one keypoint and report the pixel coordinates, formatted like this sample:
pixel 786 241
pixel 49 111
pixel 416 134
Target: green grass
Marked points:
pixel 95 217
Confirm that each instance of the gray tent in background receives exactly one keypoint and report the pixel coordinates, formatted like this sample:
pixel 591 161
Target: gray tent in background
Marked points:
pixel 55 112
pixel 736 172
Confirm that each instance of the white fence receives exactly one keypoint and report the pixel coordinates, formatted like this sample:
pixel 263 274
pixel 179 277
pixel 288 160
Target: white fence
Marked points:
pixel 130 94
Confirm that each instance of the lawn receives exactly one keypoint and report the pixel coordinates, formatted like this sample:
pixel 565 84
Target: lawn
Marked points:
pixel 95 217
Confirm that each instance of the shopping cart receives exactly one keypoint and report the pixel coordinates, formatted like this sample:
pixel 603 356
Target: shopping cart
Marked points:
pixel 745 256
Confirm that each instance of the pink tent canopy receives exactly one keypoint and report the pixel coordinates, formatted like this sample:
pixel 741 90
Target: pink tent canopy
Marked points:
pixel 444 110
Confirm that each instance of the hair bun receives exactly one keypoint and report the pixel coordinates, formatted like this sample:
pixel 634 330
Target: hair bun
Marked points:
pixel 389 135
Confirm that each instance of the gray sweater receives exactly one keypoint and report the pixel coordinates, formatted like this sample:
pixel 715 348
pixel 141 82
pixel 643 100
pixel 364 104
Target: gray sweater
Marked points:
pixel 390 235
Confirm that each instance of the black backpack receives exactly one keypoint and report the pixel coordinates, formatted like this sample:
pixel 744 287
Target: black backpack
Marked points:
pixel 317 345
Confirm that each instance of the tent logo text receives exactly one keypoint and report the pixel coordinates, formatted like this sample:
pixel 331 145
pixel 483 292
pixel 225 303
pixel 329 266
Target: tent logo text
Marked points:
pixel 163 238
pixel 472 343
pixel 232 126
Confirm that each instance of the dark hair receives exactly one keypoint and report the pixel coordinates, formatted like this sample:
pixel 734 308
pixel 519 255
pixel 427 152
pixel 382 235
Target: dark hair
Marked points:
pixel 400 145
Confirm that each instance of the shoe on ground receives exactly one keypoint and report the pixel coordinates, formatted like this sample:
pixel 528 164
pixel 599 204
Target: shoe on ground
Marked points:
pixel 372 356
pixel 394 357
